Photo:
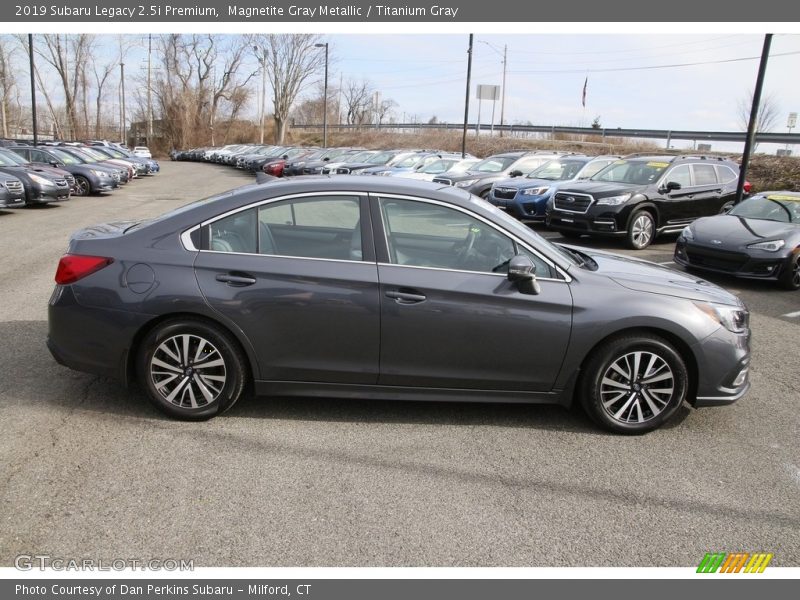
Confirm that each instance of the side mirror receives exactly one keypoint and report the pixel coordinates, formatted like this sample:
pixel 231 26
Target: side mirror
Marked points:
pixel 521 271
pixel 672 186
pixel 516 173
pixel 54 163
pixel 285 156
pixel 326 159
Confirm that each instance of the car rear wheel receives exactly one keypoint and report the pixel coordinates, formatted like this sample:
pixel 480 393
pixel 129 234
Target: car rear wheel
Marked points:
pixel 641 230
pixel 634 384
pixel 191 370
pixel 82 186
pixel 790 278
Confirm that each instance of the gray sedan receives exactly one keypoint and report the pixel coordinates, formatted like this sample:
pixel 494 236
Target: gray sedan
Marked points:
pixel 387 289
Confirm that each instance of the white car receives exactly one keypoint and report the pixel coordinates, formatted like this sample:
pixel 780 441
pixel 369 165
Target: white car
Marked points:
pixel 142 152
pixel 430 171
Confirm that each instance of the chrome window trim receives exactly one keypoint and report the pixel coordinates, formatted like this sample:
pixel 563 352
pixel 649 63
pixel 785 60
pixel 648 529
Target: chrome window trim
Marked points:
pixel 501 275
pixel 338 260
pixel 474 215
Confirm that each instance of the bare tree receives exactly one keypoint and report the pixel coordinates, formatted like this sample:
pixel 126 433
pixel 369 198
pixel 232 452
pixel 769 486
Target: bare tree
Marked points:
pixel 384 109
pixel 292 59
pixel 8 82
pixel 357 98
pixel 69 55
pixel 768 112
pixel 101 74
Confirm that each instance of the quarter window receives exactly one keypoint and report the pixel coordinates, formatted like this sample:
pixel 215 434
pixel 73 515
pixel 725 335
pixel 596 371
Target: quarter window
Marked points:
pixel 725 174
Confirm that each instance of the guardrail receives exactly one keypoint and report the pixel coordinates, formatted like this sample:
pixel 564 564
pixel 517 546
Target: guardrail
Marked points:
pixel 661 134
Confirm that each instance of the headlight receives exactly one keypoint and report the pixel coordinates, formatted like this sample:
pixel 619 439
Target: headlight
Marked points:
pixel 41 180
pixel 539 191
pixel 732 318
pixel 466 183
pixel 771 246
pixel 99 173
pixel 614 200
pixel 687 234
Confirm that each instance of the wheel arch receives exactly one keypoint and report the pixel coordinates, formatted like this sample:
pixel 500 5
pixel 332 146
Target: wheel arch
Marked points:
pixel 684 349
pixel 647 206
pixel 129 362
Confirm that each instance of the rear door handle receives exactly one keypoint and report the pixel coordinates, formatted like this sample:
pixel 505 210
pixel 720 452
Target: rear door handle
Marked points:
pixel 236 279
pixel 406 297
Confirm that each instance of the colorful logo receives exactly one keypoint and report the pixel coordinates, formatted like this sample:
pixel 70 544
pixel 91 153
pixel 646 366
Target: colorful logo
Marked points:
pixel 734 562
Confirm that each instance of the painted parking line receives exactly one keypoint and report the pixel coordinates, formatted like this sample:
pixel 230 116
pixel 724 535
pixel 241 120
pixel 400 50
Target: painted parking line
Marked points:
pixel 792 315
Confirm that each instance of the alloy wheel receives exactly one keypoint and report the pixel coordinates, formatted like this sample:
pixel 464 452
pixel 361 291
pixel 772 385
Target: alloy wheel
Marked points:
pixel 188 371
pixel 637 387
pixel 642 231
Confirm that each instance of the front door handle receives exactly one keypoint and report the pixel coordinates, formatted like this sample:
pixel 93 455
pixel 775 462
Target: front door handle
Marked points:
pixel 406 297
pixel 236 279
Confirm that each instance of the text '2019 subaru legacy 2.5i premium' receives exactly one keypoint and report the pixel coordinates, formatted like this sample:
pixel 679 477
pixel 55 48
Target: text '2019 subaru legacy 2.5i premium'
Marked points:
pixel 384 288
pixel 639 197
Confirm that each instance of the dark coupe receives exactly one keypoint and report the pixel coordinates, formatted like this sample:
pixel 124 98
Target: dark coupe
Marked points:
pixel 384 288
pixel 757 239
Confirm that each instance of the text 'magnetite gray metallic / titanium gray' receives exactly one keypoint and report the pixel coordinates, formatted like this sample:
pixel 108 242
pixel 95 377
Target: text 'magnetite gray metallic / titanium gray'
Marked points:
pixel 371 287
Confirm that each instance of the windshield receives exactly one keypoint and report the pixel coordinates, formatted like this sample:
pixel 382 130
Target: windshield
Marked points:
pixel 439 166
pixel 94 154
pixel 10 159
pixel 493 164
pixel 404 161
pixel 64 157
pixel 557 170
pixel 774 207
pixel 84 158
pixel 639 172
pixel 381 158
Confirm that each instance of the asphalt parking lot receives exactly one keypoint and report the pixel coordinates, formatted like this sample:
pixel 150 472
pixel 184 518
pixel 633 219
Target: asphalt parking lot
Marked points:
pixel 89 470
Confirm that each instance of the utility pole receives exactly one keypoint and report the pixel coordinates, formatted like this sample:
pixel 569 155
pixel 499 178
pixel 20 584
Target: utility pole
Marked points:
pixel 149 89
pixel 123 131
pixel 262 60
pixel 466 100
pixel 751 127
pixel 325 99
pixel 503 91
pixel 33 91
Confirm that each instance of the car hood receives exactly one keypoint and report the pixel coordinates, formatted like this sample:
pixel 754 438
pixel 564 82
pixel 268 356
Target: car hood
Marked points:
pixel 644 276
pixel 463 175
pixel 730 231
pixel 520 183
pixel 599 189
pixel 51 172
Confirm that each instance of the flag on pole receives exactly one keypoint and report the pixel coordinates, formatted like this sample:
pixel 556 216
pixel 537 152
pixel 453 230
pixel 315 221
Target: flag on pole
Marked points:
pixel 583 96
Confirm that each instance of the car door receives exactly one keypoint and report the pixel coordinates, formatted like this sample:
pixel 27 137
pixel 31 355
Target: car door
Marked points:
pixel 708 195
pixel 677 206
pixel 298 277
pixel 449 316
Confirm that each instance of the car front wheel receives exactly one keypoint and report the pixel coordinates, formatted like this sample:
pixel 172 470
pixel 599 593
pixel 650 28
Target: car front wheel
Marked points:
pixel 634 384
pixel 790 278
pixel 191 370
pixel 641 230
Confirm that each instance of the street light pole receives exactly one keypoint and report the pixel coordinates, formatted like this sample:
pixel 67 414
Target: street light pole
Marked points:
pixel 33 91
pixel 262 60
pixel 149 90
pixel 503 91
pixel 325 99
pixel 466 99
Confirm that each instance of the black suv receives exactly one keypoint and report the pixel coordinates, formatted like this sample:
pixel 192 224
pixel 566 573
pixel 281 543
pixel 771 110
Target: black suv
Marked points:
pixel 480 177
pixel 639 197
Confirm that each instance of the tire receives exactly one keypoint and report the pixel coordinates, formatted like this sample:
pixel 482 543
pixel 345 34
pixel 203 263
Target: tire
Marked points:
pixel 726 207
pixel 211 389
pixel 790 278
pixel 82 186
pixel 485 194
pixel 641 230
pixel 634 405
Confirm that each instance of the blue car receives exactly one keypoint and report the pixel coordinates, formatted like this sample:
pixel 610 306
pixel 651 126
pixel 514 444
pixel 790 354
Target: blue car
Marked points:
pixel 526 197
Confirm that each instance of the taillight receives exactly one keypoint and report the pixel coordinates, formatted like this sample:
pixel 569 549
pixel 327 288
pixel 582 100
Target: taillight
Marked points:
pixel 747 187
pixel 73 267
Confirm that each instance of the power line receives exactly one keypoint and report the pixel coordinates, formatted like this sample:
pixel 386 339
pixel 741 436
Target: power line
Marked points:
pixel 654 67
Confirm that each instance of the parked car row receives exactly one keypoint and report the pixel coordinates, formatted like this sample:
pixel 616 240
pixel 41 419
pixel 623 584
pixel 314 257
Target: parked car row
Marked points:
pixel 31 175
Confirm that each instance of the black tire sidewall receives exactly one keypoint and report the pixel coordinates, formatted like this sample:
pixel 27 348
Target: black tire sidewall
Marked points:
pixel 234 366
pixel 81 178
pixel 785 278
pixel 600 362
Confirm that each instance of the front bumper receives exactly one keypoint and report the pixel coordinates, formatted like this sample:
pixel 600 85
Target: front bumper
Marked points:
pixel 605 224
pixel 45 195
pixel 9 200
pixel 522 206
pixel 766 266
pixel 723 368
